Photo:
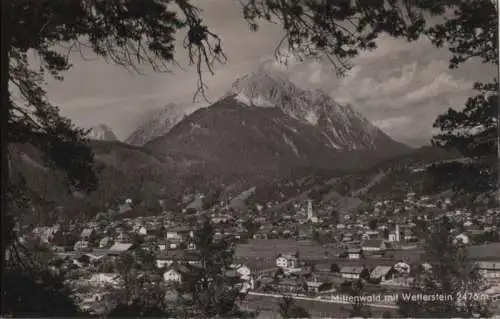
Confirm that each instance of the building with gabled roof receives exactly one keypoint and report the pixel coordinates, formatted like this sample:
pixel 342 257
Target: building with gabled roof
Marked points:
pixel 119 248
pixel 353 272
pixel 374 245
pixel 382 273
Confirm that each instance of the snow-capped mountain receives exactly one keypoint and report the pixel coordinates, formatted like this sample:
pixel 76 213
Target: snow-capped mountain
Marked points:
pixel 102 132
pixel 266 127
pixel 159 122
pixel 342 126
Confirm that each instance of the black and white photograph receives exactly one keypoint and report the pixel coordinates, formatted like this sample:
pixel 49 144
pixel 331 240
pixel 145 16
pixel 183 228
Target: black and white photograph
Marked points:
pixel 256 159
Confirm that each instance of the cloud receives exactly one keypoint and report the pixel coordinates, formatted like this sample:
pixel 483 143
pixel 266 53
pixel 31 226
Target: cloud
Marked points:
pixel 412 93
pixel 389 124
pixel 397 80
pixel 442 84
pixel 400 86
pixel 315 77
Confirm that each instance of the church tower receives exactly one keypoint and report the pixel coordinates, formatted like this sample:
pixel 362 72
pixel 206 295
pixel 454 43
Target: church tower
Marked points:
pixel 310 213
pixel 397 231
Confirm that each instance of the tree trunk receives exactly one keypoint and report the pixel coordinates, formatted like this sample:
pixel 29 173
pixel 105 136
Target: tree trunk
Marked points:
pixel 498 118
pixel 4 120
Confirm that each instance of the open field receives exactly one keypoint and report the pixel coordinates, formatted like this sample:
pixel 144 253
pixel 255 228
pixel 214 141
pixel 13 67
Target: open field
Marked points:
pixel 270 248
pixel 262 253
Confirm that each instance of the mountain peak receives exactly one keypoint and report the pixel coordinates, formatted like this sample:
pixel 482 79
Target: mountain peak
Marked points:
pixel 263 81
pixel 159 122
pixel 102 132
pixel 342 126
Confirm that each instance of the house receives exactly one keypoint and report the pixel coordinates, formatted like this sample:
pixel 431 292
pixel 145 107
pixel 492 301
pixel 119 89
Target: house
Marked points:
pixel 461 239
pixel 347 238
pixel 245 276
pixel 142 231
pixel 354 253
pixel 45 234
pixel 370 234
pixel 173 244
pixel 408 234
pixel 104 279
pixel 119 248
pixel 374 245
pixel 86 233
pixel 353 272
pixel 178 233
pixel 105 242
pixel 317 286
pixel 244 272
pixel 382 273
pixel 287 261
pixel 167 258
pixel 402 268
pixel 490 270
pixel 81 244
pixel 191 245
pixel 173 274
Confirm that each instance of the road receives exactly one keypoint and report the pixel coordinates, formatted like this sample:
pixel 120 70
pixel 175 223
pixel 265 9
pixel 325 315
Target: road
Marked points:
pixel 268 307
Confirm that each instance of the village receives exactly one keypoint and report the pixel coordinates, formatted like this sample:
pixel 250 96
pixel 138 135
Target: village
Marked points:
pixel 309 253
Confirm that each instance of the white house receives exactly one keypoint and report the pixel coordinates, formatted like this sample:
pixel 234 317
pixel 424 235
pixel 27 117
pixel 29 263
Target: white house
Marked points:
pixel 370 234
pixel 104 242
pixel 352 272
pixel 172 275
pixel 142 231
pixel 104 279
pixel 354 253
pixel 374 245
pixel 244 272
pixel 45 234
pixel 178 233
pixel 461 239
pixel 287 261
pixel 246 277
pixel 402 268
pixel 119 248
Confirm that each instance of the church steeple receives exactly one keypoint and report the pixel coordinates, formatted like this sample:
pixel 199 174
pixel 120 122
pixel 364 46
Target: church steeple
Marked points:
pixel 398 234
pixel 310 213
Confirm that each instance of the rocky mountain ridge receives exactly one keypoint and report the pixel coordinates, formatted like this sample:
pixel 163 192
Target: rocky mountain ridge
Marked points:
pixel 102 132
pixel 159 122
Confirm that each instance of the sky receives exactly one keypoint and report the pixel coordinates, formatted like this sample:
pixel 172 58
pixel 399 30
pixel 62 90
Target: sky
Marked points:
pixel 400 87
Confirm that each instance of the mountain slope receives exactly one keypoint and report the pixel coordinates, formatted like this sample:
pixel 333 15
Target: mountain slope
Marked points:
pixel 102 132
pixel 124 171
pixel 343 127
pixel 159 122
pixel 250 140
pixel 235 136
pixel 268 126
pixel 390 179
